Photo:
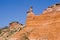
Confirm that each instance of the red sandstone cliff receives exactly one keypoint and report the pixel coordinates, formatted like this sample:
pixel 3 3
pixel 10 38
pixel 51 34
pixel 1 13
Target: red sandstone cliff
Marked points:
pixel 45 26
pixel 42 27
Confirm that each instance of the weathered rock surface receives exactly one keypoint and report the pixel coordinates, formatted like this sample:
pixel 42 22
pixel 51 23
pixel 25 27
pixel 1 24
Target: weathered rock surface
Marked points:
pixel 45 26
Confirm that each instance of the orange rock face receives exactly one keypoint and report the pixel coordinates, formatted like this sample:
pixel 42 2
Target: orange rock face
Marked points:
pixel 43 27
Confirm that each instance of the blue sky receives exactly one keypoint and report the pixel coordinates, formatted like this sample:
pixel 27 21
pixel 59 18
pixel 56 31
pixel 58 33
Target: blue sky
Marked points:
pixel 15 10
